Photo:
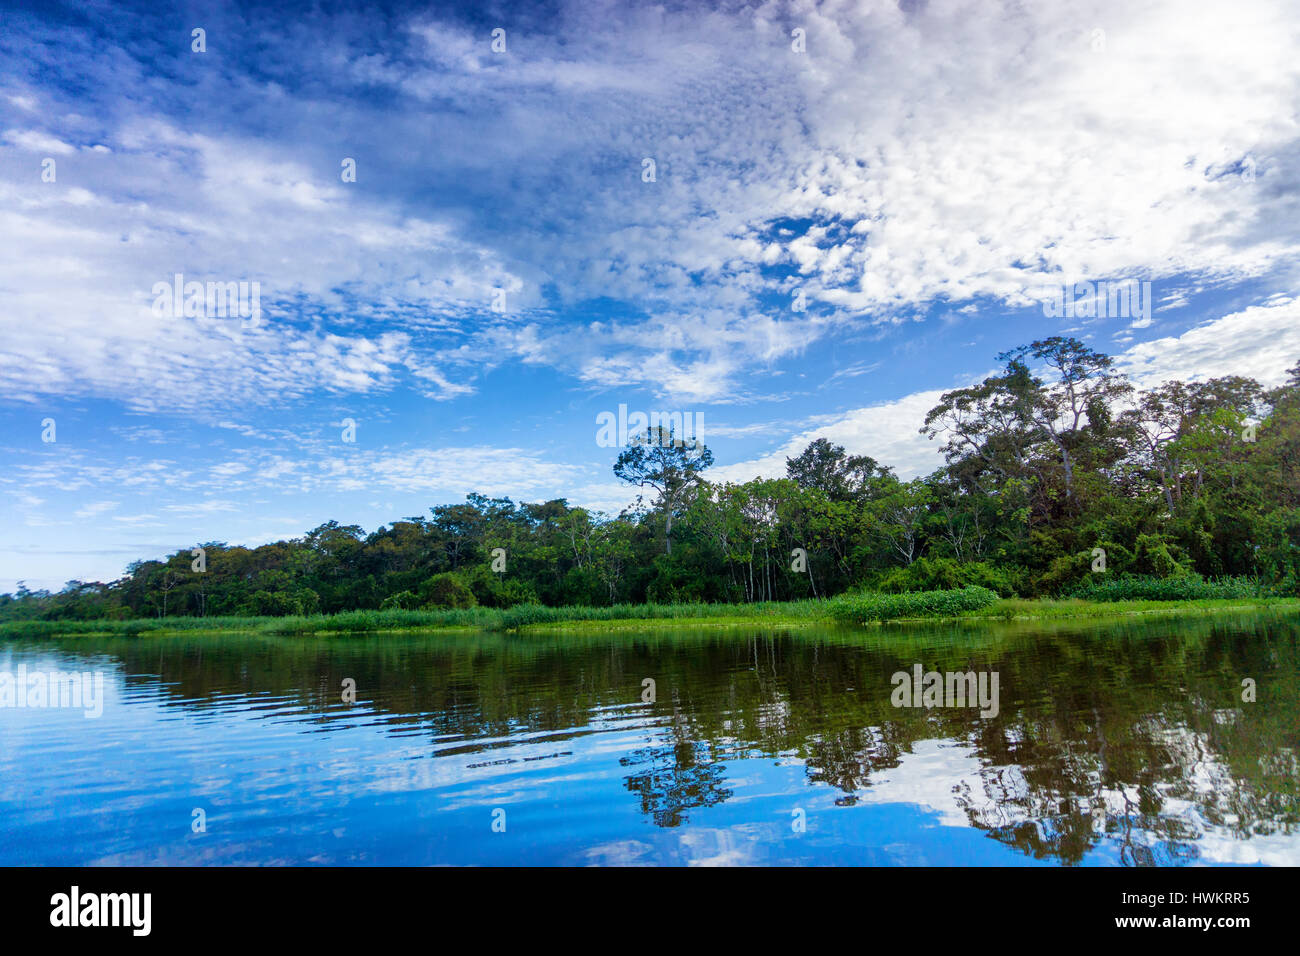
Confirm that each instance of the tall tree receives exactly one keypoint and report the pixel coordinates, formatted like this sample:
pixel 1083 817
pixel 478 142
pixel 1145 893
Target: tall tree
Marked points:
pixel 669 465
pixel 833 471
pixel 1074 405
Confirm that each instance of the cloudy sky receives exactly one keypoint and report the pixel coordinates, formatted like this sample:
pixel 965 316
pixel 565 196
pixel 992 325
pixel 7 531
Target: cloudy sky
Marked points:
pixel 608 204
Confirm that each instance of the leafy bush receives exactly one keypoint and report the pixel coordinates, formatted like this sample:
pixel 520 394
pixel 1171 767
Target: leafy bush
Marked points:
pixel 1152 556
pixel 271 604
pixel 1159 557
pixel 1068 570
pixel 491 589
pixel 872 606
pixel 402 600
pixel 447 590
pixel 1186 587
pixel 945 574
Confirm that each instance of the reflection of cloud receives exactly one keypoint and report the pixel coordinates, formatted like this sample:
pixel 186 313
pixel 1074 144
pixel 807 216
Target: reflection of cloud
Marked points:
pixel 708 846
pixel 1270 849
pixel 927 777
pixel 621 853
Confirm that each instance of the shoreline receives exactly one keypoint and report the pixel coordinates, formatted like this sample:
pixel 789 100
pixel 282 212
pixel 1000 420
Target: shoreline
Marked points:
pixel 633 617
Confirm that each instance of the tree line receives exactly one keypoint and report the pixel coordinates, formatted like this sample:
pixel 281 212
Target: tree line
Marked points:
pixel 1051 463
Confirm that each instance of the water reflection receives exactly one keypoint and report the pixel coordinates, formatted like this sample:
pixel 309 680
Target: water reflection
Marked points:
pixel 1118 745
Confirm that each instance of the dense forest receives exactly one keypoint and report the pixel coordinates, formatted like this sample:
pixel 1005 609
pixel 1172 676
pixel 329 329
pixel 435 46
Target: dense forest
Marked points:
pixel 1057 471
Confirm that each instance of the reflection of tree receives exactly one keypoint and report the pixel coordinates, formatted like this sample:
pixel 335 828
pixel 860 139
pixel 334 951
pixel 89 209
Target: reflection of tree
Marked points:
pixel 846 760
pixel 674 779
pixel 1166 788
pixel 1132 736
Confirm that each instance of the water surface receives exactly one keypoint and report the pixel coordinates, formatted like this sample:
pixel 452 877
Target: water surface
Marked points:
pixel 1113 745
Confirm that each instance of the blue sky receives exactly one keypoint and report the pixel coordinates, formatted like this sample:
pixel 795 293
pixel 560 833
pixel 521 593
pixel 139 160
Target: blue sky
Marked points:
pixel 925 173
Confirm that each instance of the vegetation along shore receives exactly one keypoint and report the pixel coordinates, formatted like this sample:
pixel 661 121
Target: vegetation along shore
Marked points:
pixel 860 609
pixel 1066 490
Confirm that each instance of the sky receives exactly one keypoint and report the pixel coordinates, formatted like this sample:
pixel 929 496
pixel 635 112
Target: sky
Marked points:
pixel 473 230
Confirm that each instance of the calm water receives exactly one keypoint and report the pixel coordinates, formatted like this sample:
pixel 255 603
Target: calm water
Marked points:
pixel 1112 746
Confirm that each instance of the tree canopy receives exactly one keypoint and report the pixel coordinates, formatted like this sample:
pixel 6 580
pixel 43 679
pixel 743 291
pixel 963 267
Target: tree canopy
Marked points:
pixel 1053 457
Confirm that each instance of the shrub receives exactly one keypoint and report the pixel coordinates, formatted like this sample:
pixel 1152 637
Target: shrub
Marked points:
pixel 271 604
pixel 491 589
pixel 447 590
pixel 871 606
pixel 1186 587
pixel 308 601
pixel 945 574
pixel 1159 557
pixel 402 600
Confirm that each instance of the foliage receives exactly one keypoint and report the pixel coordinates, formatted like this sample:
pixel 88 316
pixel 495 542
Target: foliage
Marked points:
pixel 1186 587
pixel 476 619
pixel 943 574
pixel 872 606
pixel 446 590
pixel 1049 462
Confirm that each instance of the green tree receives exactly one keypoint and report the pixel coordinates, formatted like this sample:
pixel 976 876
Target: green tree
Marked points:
pixel 670 465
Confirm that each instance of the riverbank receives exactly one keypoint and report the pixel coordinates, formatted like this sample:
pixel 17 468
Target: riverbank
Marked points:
pixel 627 616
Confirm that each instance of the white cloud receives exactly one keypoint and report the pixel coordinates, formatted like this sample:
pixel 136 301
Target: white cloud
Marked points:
pixel 34 141
pixel 910 160
pixel 1259 342
pixel 79 318
pixel 95 508
pixel 927 174
pixel 887 431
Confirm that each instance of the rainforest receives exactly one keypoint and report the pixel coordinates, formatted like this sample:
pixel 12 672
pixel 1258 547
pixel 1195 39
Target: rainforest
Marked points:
pixel 1062 478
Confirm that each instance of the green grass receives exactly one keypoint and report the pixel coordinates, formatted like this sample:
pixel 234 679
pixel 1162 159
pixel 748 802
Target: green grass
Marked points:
pixel 974 604
pixel 478 618
pixel 1023 609
pixel 349 621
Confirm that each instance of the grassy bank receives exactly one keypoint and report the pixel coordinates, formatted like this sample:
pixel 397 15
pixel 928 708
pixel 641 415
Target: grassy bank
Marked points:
pixel 1021 609
pixel 468 619
pixel 967 604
